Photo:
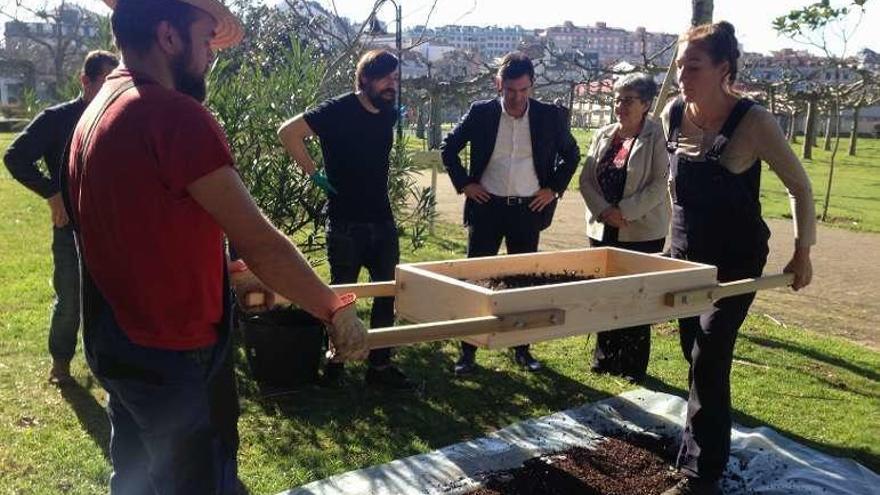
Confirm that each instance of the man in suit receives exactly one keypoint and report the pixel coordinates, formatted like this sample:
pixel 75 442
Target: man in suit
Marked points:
pixel 522 158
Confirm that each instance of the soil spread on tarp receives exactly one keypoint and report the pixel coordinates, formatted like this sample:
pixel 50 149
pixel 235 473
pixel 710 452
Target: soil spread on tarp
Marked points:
pixel 519 280
pixel 636 465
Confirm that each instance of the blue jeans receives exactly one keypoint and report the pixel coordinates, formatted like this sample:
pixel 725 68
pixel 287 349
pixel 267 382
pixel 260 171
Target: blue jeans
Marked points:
pixel 166 437
pixel 64 322
pixel 374 246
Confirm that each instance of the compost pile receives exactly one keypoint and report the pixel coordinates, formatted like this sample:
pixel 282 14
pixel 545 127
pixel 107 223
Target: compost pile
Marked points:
pixel 519 280
pixel 635 465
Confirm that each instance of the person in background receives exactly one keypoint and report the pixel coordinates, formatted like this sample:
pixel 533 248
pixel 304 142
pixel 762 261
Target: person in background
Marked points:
pixel 522 158
pixel 623 183
pixel 47 137
pixel 355 132
pixel 717 140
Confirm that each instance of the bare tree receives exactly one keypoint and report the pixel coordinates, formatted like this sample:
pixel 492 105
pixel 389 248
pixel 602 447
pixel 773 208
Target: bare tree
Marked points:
pixel 866 94
pixel 814 25
pixel 54 31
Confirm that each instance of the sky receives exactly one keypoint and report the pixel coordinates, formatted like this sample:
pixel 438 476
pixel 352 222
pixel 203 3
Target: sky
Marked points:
pixel 752 18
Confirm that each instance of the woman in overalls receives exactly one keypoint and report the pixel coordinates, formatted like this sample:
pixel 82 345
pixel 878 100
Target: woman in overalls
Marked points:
pixel 717 140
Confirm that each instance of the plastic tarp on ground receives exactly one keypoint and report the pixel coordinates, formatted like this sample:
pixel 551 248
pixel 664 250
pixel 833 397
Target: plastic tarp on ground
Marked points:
pixel 761 461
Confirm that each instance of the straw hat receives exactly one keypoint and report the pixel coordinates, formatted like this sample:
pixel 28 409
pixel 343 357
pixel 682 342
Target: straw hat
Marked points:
pixel 229 30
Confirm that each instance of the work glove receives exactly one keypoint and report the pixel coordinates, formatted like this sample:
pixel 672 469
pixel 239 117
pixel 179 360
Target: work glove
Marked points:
pixel 348 334
pixel 319 178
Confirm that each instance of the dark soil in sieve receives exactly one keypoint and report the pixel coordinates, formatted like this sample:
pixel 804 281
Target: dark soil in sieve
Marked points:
pixel 635 465
pixel 517 281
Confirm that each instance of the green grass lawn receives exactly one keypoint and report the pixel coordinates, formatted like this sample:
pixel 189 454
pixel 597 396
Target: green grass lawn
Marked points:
pixel 819 390
pixel 855 191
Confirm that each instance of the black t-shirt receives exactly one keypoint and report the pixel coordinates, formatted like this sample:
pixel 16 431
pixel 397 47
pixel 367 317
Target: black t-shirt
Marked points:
pixel 356 144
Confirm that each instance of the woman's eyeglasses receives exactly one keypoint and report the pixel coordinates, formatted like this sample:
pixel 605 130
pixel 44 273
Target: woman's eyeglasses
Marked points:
pixel 626 101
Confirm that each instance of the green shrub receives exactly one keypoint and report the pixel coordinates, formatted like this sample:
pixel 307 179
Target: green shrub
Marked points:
pixel 274 75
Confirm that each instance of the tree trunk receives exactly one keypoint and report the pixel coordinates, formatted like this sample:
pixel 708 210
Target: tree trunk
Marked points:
pixel 854 133
pixel 827 144
pixel 831 167
pixel 420 122
pixel 771 93
pixel 792 126
pixel 810 128
pixel 589 113
pixel 701 11
pixel 58 73
pixel 434 132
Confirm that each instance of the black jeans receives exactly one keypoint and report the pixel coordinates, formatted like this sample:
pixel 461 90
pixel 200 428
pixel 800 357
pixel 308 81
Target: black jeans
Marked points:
pixel 707 342
pixel 64 323
pixel 625 351
pixel 173 414
pixel 494 222
pixel 374 246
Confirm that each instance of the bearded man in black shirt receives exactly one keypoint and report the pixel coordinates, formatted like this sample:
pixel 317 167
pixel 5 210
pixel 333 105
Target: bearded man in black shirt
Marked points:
pixel 356 135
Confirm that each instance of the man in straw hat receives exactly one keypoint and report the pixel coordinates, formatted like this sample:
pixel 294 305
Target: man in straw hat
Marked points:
pixel 152 191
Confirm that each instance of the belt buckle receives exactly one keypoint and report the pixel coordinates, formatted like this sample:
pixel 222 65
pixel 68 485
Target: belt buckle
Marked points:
pixel 511 200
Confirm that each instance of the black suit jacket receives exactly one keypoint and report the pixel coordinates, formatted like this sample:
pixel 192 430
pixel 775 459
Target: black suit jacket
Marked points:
pixel 554 150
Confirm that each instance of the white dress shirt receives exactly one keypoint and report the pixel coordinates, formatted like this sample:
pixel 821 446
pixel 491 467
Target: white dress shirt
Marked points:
pixel 511 170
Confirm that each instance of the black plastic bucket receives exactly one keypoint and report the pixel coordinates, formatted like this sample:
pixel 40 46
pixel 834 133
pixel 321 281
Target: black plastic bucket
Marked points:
pixel 284 347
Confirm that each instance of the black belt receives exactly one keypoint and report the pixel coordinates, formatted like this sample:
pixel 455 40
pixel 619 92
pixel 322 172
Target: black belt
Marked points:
pixel 512 200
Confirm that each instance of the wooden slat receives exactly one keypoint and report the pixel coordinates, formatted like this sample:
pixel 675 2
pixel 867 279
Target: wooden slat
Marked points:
pixel 424 296
pixel 372 289
pixel 453 329
pixel 367 290
pixel 598 305
pixel 585 261
pixel 713 293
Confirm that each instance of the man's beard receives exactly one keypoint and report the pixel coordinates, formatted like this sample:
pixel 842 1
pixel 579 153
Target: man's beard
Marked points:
pixel 186 82
pixel 379 101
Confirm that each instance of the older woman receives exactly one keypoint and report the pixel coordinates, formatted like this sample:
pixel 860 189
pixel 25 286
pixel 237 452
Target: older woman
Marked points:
pixel 624 184
pixel 717 140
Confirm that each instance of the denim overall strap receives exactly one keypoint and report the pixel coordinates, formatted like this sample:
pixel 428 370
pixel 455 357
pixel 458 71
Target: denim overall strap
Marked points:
pixel 716 213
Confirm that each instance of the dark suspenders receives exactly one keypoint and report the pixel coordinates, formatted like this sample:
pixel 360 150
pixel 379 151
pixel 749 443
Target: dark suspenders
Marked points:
pixel 676 116
pixel 85 142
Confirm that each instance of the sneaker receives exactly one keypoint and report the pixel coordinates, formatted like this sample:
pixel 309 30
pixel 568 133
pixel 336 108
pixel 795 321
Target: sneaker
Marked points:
pixel 334 375
pixel 525 360
pixel 388 377
pixel 59 374
pixel 465 365
pixel 694 486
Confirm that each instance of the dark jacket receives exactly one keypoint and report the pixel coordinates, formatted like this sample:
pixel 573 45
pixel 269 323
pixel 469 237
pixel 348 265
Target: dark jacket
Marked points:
pixel 554 150
pixel 46 137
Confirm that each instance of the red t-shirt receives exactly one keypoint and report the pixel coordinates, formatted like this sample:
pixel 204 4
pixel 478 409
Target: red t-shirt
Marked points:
pixel 154 253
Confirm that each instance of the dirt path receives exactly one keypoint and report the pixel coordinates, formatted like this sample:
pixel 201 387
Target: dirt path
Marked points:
pixel 842 300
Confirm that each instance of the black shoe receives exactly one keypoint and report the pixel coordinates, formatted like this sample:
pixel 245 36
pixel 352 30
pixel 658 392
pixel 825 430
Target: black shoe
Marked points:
pixel 525 360
pixel 334 375
pixel 465 365
pixel 635 379
pixel 694 486
pixel 388 377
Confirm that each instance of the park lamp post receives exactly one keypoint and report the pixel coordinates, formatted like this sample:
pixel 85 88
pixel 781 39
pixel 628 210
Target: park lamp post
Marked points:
pixel 398 12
